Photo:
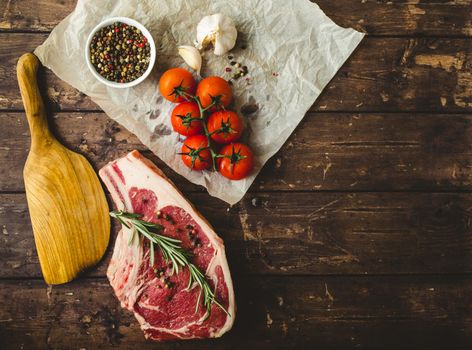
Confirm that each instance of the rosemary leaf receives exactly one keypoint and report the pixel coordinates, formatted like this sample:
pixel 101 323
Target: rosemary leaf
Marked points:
pixel 151 248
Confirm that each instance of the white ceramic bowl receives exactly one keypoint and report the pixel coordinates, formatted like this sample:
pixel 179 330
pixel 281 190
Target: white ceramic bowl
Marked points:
pixel 130 22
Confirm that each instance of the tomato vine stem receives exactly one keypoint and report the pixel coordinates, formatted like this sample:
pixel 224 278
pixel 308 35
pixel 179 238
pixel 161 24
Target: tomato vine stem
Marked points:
pixel 202 111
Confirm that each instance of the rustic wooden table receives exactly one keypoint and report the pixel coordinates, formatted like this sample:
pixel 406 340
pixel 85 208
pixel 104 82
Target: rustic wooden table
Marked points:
pixel 357 234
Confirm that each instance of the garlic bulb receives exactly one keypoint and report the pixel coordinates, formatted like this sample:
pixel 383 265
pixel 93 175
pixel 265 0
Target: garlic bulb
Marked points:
pixel 191 56
pixel 218 30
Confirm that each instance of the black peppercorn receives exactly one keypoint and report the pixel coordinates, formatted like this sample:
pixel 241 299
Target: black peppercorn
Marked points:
pixel 113 56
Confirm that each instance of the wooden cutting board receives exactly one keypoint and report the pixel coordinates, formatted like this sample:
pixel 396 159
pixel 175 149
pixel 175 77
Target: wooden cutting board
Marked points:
pixel 67 205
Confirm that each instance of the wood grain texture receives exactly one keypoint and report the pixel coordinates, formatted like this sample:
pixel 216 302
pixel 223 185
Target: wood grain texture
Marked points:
pixel 345 151
pixel 304 233
pixel 66 202
pixel 318 263
pixel 382 75
pixel 404 17
pixel 417 312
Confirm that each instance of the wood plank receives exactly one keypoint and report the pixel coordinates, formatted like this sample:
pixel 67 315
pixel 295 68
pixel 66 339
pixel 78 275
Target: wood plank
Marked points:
pixel 416 312
pixel 384 74
pixel 60 94
pixel 368 152
pixel 303 233
pixel 405 17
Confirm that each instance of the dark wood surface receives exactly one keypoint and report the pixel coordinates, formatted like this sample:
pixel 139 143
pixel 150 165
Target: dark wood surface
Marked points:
pixel 357 234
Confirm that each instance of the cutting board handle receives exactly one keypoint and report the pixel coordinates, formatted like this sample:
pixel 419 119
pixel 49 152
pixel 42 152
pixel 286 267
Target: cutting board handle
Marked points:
pixel 27 69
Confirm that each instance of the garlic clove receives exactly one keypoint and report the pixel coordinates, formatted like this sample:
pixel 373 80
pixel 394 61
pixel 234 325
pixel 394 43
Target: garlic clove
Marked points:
pixel 191 56
pixel 218 30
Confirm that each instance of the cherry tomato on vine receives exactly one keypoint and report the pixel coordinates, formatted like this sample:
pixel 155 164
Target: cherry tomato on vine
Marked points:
pixel 225 126
pixel 237 161
pixel 214 89
pixel 183 119
pixel 196 153
pixel 176 80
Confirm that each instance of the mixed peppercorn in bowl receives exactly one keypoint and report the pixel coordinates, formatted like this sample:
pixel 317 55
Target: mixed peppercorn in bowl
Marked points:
pixel 120 52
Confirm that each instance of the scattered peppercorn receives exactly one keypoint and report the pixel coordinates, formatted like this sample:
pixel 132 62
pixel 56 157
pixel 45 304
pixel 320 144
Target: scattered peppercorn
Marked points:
pixel 159 272
pixel 237 72
pixel 120 52
pixel 194 240
pixel 197 243
pixel 167 217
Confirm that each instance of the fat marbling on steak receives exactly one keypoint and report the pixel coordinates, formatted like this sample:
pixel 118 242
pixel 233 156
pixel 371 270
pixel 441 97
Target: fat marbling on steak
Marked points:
pixel 161 302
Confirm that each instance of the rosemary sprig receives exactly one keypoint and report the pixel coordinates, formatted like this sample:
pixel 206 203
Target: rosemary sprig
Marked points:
pixel 171 252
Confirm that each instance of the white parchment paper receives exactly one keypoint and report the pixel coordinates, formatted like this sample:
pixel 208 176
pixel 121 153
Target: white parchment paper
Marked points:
pixel 291 48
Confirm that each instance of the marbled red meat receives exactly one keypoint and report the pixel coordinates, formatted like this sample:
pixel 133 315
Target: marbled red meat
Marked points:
pixel 160 300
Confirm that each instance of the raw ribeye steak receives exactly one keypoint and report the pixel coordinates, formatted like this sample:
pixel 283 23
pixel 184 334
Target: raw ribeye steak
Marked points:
pixel 160 300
